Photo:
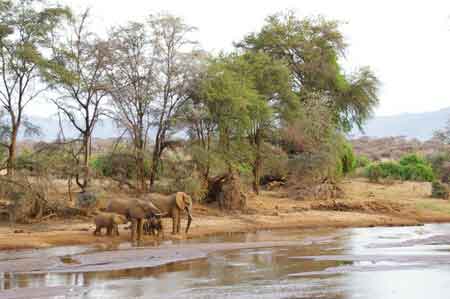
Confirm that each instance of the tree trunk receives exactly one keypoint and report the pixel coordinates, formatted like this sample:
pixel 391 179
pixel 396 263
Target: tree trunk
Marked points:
pixel 257 164
pixel 10 167
pixel 155 165
pixel 140 161
pixel 86 155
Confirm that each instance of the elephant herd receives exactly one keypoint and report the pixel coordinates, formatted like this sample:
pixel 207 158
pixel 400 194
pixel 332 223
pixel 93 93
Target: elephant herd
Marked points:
pixel 140 211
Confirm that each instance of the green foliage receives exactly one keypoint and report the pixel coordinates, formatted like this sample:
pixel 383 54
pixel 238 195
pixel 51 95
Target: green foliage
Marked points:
pixel 373 172
pixel 276 162
pixel 409 168
pixel 440 190
pixel 362 161
pixel 312 48
pixel 440 162
pixel 118 165
pixel 347 158
pixel 26 161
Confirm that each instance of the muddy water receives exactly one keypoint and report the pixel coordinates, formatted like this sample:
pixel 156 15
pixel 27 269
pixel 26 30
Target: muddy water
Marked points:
pixel 407 262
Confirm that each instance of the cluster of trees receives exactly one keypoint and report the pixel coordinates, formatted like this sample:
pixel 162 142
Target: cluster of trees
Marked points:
pixel 281 94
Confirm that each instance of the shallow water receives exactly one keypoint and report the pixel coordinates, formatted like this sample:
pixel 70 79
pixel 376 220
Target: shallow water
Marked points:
pixel 405 262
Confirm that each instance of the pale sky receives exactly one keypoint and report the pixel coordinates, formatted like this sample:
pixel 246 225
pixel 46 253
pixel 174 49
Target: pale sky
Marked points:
pixel 407 43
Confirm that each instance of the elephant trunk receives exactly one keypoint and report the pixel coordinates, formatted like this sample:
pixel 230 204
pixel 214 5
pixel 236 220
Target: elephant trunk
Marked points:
pixel 188 210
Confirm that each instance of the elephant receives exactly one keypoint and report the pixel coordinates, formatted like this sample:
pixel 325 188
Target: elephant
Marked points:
pixel 172 206
pixel 136 211
pixel 110 221
pixel 117 206
pixel 153 226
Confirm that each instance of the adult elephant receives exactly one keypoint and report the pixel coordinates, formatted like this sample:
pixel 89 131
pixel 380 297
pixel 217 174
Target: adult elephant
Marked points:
pixel 173 206
pixel 136 211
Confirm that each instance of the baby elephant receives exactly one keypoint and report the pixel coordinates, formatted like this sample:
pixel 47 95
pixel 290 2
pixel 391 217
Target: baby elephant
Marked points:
pixel 153 226
pixel 110 221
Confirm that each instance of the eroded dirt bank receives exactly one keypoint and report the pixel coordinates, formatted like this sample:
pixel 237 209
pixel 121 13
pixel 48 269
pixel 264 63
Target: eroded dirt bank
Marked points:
pixel 364 205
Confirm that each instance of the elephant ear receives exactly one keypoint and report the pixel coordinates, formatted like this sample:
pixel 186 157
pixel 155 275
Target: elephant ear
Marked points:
pixel 187 200
pixel 179 199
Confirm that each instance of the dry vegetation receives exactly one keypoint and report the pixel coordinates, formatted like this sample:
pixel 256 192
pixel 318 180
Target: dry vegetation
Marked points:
pixel 364 204
pixel 393 148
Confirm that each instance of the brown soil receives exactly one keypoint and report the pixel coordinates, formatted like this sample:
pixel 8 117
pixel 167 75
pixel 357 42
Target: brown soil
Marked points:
pixel 365 204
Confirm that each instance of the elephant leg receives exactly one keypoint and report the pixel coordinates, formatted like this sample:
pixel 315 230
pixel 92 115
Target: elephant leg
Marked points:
pixel 116 230
pixel 178 222
pixel 133 229
pixel 109 230
pixel 174 223
pixel 140 227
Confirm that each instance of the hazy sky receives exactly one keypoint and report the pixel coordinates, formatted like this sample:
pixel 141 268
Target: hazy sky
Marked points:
pixel 407 43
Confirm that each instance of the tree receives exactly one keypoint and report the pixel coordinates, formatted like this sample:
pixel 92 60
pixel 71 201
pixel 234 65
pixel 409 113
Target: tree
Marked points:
pixel 25 35
pixel 312 48
pixel 228 95
pixel 132 76
pixel 82 85
pixel 443 135
pixel 248 95
pixel 177 65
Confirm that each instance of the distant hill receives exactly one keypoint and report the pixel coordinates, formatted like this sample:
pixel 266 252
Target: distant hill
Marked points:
pixel 418 125
pixel 49 127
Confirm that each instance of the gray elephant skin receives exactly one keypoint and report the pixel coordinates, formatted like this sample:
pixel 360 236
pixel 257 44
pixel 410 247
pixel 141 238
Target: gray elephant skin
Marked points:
pixel 173 206
pixel 136 211
pixel 110 221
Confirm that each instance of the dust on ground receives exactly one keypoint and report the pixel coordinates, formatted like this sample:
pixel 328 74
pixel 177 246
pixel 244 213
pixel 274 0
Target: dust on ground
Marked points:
pixel 364 204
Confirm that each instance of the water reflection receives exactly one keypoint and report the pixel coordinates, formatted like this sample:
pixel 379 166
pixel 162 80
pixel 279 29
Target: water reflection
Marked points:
pixel 282 272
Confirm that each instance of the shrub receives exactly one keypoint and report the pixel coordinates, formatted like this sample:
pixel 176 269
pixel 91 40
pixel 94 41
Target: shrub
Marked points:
pixel 412 159
pixel 373 172
pixel 440 162
pixel 362 161
pixel 117 165
pixel 347 159
pixel 409 168
pixel 417 173
pixel 440 190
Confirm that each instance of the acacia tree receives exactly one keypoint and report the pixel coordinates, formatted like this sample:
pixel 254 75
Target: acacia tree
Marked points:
pixel 81 82
pixel 228 94
pixel 26 28
pixel 312 47
pixel 176 67
pixel 132 76
pixel 201 128
pixel 248 96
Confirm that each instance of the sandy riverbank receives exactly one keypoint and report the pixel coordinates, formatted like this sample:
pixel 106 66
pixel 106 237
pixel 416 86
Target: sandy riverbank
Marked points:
pixel 365 204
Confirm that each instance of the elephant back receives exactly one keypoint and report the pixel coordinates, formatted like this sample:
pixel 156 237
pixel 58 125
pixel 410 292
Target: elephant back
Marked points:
pixel 117 206
pixel 162 202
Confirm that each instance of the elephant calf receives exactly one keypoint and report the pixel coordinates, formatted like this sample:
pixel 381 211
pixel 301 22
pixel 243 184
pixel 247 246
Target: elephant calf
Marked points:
pixel 110 221
pixel 153 226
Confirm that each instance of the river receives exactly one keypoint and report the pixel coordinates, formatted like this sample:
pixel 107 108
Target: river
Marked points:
pixel 396 262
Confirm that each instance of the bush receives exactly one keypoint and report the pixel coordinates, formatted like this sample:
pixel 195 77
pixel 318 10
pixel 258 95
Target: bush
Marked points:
pixel 362 161
pixel 409 168
pixel 440 190
pixel 117 165
pixel 373 172
pixel 346 158
pixel 440 162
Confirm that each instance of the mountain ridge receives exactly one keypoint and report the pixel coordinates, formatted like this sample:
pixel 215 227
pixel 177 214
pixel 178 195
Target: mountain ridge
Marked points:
pixel 410 125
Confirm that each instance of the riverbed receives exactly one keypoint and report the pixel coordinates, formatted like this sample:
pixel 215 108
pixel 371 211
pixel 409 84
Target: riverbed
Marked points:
pixel 395 262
